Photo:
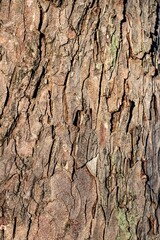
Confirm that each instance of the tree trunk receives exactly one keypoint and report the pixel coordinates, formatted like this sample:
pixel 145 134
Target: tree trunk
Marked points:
pixel 80 119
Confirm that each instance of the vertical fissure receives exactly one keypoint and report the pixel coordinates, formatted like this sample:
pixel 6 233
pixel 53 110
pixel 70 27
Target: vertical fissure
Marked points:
pixel 132 105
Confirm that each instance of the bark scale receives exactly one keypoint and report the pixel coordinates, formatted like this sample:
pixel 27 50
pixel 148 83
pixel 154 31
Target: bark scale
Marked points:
pixel 79 119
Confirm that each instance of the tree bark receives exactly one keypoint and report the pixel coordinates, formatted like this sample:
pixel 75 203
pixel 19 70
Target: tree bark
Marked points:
pixel 79 119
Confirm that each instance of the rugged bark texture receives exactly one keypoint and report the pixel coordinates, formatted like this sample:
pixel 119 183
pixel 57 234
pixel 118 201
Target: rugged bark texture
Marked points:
pixel 79 120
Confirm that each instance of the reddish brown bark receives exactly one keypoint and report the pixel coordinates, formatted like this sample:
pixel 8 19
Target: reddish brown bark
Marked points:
pixel 79 120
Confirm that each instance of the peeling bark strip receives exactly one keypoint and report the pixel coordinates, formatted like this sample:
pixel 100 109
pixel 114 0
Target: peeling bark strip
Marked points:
pixel 79 120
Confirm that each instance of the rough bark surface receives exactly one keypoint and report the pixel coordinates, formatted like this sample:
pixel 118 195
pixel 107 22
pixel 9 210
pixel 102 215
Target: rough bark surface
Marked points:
pixel 79 119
